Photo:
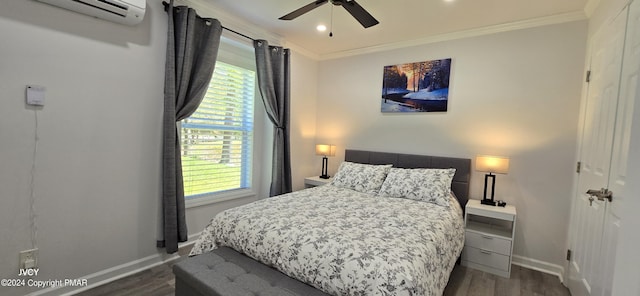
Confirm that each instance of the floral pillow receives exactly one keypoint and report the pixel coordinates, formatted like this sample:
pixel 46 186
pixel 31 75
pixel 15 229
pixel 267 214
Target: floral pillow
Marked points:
pixel 360 177
pixel 430 185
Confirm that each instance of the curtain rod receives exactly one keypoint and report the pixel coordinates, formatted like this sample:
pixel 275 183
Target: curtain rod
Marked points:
pixel 238 33
pixel 166 6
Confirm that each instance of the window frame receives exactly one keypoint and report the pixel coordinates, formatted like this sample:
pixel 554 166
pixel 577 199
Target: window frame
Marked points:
pixel 239 54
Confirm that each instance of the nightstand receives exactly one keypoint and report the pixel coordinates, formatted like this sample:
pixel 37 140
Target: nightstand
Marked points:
pixel 489 234
pixel 315 181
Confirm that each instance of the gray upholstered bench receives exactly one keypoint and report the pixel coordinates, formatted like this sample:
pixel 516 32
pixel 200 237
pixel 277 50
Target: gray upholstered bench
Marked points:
pixel 227 272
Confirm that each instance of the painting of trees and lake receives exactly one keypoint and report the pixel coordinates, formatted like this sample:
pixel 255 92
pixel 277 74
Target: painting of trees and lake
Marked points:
pixel 416 87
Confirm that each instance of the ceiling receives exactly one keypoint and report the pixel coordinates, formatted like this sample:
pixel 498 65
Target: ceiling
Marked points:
pixel 400 20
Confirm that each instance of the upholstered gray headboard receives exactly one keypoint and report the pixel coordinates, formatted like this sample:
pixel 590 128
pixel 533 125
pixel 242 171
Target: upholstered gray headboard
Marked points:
pixel 459 186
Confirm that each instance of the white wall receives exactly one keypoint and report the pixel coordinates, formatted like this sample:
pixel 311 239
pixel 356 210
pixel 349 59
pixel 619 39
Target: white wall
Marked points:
pixel 514 94
pixel 304 80
pixel 98 172
pixel 97 167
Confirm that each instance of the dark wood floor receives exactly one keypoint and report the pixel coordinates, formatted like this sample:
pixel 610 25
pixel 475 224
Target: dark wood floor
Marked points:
pixel 523 282
pixel 157 281
pixel 463 282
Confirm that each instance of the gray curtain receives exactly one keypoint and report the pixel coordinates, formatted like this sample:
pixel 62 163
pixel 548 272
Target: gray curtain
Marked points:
pixel 272 63
pixel 192 48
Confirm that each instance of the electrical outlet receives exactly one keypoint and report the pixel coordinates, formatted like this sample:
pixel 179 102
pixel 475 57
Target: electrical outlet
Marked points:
pixel 29 258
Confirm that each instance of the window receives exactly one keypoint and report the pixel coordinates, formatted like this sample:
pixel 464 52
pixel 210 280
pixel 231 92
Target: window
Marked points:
pixel 217 139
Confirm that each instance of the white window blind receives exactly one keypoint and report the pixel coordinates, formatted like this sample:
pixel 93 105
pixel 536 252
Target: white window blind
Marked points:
pixel 217 139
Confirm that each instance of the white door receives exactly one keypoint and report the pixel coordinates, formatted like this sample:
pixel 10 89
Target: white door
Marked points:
pixel 604 150
pixel 595 157
pixel 619 158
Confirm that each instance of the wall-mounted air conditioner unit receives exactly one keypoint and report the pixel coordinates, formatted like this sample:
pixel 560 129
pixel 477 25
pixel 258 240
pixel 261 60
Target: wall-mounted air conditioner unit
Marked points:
pixel 128 12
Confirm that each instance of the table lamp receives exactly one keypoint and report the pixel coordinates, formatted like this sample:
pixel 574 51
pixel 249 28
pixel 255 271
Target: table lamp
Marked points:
pixel 491 164
pixel 325 150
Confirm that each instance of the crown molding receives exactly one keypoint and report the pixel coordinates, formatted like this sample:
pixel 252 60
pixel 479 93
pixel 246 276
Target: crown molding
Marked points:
pixel 208 9
pixel 590 7
pixel 301 50
pixel 530 23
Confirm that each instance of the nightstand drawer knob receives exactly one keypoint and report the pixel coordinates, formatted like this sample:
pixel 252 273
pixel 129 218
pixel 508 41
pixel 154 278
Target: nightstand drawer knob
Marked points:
pixel 486 236
pixel 483 251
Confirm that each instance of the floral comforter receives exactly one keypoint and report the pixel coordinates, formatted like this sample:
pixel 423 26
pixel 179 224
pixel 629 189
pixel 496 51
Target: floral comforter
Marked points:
pixel 345 242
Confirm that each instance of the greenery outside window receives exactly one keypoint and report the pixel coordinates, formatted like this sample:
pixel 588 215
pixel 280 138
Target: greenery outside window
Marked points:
pixel 217 140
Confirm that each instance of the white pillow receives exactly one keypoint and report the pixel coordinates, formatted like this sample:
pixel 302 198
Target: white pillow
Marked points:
pixel 360 177
pixel 430 185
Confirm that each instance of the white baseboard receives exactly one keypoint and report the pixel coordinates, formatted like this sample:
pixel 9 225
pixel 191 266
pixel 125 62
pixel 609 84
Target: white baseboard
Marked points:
pixel 117 272
pixel 538 265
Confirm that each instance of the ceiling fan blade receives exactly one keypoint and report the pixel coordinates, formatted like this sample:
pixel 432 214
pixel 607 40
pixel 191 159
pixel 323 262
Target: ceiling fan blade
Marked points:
pixel 365 19
pixel 300 11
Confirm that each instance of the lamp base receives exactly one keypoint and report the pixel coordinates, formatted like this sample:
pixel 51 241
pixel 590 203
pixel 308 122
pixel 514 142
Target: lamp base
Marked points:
pixel 325 164
pixel 485 200
pixel 488 202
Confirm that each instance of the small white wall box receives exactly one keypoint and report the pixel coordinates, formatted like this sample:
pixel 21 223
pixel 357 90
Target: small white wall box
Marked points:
pixel 35 95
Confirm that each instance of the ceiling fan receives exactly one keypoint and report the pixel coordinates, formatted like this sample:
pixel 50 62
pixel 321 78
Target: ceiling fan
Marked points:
pixel 359 13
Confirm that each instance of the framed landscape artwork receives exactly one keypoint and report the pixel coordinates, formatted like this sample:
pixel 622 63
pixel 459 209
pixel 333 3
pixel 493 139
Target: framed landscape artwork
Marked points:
pixel 416 87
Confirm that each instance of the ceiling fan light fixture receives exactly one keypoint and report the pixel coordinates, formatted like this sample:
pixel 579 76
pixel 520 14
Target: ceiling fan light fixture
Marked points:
pixel 352 7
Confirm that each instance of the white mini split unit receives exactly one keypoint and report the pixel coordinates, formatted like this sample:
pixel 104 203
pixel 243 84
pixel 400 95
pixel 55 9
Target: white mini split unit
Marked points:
pixel 128 12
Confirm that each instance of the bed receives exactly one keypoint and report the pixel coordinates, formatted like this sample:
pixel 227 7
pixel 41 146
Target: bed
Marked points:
pixel 361 234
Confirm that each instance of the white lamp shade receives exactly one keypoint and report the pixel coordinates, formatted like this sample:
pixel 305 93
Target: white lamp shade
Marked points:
pixel 326 150
pixel 492 164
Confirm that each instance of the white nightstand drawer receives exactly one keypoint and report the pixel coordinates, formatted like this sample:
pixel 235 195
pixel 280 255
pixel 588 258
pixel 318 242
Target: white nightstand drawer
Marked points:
pixel 485 257
pixel 488 242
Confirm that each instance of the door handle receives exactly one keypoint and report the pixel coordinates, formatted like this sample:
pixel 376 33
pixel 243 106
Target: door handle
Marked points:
pixel 601 194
